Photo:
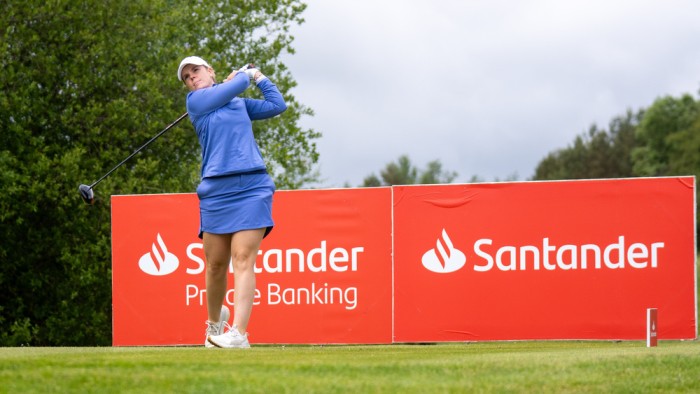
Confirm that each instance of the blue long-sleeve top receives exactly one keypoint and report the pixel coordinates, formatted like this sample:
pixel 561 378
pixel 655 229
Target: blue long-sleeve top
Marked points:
pixel 223 123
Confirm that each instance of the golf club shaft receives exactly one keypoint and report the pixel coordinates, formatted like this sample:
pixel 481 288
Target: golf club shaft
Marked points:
pixel 183 116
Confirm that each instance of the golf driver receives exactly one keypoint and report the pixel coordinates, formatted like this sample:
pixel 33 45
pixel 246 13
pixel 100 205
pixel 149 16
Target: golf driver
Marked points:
pixel 86 191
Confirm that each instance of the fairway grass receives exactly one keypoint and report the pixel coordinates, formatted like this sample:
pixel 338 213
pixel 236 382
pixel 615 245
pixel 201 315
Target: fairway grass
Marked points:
pixel 542 366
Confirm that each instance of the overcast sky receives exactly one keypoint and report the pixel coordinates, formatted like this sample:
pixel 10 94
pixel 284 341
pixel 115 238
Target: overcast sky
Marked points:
pixel 489 88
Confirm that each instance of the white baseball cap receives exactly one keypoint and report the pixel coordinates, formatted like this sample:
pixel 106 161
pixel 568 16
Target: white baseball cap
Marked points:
pixel 196 60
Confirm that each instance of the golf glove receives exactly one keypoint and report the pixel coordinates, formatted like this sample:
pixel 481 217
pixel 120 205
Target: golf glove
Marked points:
pixel 250 70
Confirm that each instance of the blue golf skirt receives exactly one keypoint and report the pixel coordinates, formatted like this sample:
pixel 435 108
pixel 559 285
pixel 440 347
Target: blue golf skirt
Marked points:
pixel 232 203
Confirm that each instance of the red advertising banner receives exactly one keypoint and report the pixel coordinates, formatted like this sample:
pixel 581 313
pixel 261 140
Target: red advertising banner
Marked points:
pixel 476 262
pixel 544 260
pixel 323 274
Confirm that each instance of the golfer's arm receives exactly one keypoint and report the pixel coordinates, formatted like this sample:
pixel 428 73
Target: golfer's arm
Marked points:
pixel 206 100
pixel 272 105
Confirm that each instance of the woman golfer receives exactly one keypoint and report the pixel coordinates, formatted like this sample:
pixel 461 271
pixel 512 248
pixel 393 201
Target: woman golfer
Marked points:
pixel 235 193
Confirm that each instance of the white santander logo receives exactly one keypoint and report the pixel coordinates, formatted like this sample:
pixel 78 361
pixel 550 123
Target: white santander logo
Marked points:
pixel 165 262
pixel 446 259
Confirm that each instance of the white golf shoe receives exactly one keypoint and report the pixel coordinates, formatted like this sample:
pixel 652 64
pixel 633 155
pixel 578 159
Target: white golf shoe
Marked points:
pixel 217 328
pixel 231 339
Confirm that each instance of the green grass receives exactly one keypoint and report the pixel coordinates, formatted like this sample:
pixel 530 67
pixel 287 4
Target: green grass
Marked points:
pixel 567 366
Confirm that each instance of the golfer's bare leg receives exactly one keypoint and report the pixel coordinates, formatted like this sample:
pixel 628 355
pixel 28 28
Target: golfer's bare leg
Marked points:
pixel 217 249
pixel 244 250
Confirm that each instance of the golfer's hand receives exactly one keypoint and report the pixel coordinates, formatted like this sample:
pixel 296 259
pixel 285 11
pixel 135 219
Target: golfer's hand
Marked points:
pixel 254 74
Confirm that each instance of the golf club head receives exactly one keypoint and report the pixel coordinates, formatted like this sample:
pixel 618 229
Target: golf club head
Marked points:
pixel 87 194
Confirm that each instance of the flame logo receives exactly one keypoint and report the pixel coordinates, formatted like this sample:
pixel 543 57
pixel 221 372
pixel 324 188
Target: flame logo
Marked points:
pixel 446 259
pixel 159 262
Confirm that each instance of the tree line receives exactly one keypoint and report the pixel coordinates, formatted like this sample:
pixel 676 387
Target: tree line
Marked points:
pixel 662 140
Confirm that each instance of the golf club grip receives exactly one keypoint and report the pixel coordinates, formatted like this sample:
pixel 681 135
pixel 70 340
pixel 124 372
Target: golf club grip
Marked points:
pixel 183 116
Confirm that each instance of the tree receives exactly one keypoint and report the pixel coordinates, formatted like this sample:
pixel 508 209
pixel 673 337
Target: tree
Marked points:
pixel 596 154
pixel 662 135
pixel 434 174
pixel 371 181
pixel 684 150
pixel 402 172
pixel 84 84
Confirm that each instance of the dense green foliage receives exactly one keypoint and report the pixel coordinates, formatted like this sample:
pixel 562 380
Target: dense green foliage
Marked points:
pixel 597 154
pixel 501 367
pixel 84 84
pixel 669 136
